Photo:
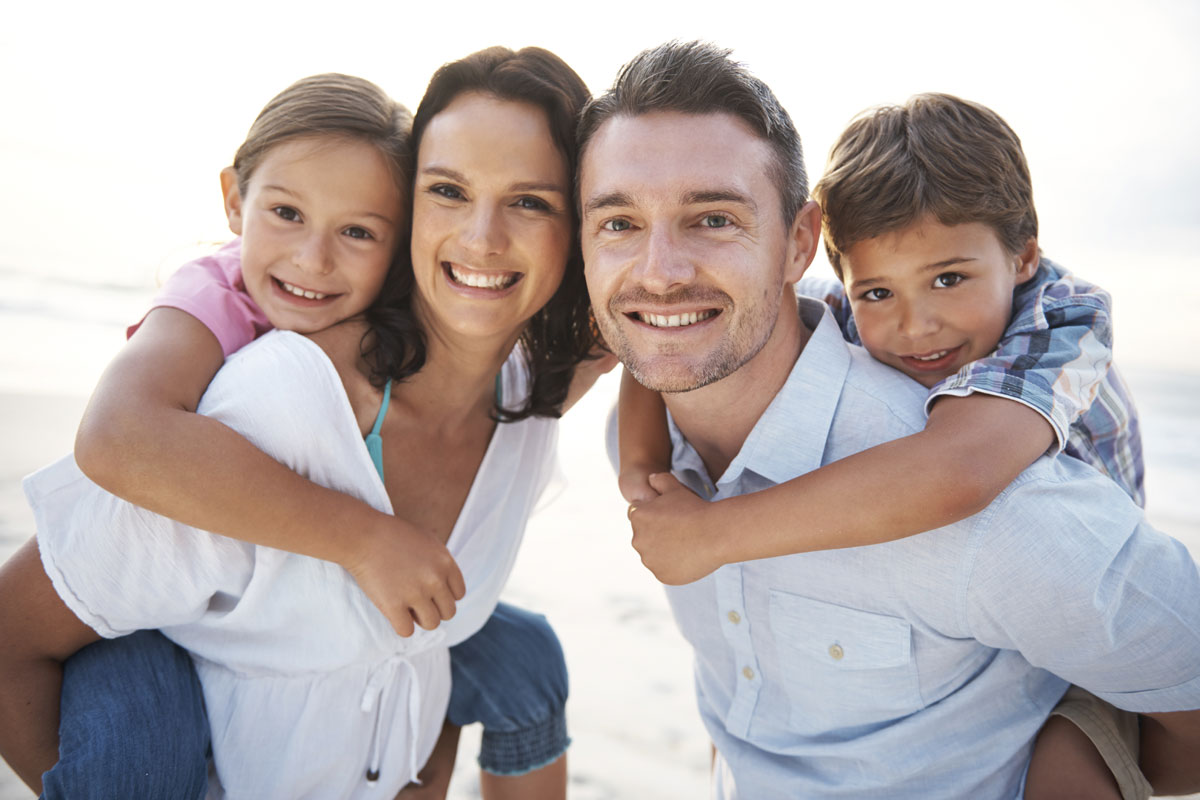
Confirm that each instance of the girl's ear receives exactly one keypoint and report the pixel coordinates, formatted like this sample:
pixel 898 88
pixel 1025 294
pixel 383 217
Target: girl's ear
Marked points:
pixel 233 200
pixel 1028 260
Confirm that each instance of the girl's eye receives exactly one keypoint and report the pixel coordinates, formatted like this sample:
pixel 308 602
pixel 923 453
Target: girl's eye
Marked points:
pixel 875 295
pixel 287 213
pixel 355 232
pixel 616 225
pixel 948 279
pixel 532 203
pixel 449 192
pixel 715 221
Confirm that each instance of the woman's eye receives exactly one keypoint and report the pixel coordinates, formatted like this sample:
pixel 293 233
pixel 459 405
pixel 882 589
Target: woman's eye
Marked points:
pixel 355 232
pixel 287 213
pixel 532 203
pixel 616 225
pixel 715 221
pixel 446 191
pixel 948 279
pixel 875 295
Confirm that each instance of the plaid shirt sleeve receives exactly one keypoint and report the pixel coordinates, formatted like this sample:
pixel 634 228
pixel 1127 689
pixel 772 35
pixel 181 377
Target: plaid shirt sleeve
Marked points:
pixel 833 294
pixel 1054 355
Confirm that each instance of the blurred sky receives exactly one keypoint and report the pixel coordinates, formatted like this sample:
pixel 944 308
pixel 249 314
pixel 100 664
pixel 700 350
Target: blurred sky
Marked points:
pixel 117 117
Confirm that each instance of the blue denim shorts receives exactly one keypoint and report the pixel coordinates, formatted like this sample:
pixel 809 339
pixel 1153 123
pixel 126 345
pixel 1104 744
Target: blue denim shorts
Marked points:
pixel 132 722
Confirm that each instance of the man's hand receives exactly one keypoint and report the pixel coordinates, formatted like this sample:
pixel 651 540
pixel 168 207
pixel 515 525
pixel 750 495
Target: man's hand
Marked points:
pixel 674 532
pixel 408 574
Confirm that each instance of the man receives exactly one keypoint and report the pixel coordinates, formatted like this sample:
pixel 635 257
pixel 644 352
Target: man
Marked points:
pixel 900 670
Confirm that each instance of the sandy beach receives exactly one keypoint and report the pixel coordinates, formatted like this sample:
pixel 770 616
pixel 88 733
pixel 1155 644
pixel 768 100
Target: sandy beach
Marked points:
pixel 632 716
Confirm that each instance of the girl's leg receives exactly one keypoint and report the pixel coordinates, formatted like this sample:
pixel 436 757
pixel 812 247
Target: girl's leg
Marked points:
pixel 132 723
pixel 1087 750
pixel 511 676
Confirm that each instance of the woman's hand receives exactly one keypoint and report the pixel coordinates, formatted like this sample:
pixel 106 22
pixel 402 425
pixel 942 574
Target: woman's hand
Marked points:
pixel 408 574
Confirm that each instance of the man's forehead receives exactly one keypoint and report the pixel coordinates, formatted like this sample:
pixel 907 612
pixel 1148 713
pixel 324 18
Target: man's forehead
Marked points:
pixel 673 152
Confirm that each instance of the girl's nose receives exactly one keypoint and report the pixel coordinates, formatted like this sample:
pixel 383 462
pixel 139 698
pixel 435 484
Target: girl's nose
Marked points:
pixel 313 255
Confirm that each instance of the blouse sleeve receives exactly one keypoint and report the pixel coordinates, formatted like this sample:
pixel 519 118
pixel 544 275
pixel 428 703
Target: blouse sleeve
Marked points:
pixel 1053 356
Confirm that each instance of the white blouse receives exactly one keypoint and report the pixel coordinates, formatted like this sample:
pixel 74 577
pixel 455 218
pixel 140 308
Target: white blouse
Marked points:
pixel 308 688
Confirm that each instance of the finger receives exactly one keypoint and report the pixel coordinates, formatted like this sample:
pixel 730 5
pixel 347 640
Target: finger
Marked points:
pixel 446 607
pixel 427 615
pixel 663 482
pixel 458 586
pixel 402 623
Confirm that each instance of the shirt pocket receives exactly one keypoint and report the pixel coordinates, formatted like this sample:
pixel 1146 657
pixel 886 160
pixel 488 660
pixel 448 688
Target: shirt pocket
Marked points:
pixel 842 667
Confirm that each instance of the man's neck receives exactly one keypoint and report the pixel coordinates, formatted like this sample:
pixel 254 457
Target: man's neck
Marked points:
pixel 718 418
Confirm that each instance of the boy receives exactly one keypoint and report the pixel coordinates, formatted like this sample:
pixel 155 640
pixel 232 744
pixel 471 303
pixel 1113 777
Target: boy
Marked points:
pixel 929 222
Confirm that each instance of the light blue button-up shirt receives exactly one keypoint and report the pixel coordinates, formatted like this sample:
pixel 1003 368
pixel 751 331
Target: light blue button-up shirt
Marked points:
pixel 924 667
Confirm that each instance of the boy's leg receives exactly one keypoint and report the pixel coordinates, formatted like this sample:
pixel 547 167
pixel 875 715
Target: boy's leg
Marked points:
pixel 1087 749
pixel 511 676
pixel 132 723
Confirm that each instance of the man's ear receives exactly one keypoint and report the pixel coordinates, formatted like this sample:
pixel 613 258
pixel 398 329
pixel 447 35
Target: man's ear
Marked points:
pixel 1028 260
pixel 233 200
pixel 803 238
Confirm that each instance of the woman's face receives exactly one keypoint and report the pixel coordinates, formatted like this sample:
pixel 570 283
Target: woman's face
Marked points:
pixel 491 217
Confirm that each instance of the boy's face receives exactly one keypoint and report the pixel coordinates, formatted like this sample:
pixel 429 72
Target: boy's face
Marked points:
pixel 930 298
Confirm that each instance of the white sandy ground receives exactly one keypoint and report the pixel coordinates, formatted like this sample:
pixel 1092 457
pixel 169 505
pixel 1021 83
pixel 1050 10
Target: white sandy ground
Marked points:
pixel 631 713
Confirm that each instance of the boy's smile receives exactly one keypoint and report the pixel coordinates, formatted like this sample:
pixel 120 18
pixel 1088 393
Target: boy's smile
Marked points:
pixel 931 298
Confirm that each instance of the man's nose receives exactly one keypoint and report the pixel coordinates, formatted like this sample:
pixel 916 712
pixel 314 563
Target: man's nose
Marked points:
pixel 664 264
pixel 313 255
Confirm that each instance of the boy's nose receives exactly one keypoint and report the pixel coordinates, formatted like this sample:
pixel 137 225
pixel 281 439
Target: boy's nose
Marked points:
pixel 313 255
pixel 663 264
pixel 916 320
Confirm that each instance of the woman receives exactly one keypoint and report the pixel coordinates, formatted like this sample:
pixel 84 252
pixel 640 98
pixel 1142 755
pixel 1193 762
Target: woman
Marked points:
pixel 494 262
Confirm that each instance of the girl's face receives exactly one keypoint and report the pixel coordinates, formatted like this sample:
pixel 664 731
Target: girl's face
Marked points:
pixel 491 217
pixel 319 223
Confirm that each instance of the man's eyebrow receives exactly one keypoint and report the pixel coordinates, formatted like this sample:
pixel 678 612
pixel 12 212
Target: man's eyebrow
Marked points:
pixel 719 196
pixel 608 200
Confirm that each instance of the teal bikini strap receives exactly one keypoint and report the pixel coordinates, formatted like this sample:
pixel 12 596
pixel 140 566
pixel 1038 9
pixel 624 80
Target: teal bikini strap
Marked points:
pixel 499 396
pixel 374 440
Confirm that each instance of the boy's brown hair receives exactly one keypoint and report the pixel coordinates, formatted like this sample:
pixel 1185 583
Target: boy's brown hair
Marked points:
pixel 936 154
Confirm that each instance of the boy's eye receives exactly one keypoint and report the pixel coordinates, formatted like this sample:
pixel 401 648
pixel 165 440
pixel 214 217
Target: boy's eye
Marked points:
pixel 875 295
pixel 715 221
pixel 287 213
pixel 617 225
pixel 948 279
pixel 532 203
pixel 355 232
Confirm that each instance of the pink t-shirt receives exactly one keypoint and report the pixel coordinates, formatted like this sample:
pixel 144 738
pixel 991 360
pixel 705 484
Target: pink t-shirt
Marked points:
pixel 211 290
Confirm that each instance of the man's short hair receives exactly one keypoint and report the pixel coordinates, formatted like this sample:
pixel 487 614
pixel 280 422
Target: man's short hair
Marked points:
pixel 936 154
pixel 701 78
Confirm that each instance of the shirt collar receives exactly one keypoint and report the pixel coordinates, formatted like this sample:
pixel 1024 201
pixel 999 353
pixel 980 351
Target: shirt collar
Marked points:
pixel 789 438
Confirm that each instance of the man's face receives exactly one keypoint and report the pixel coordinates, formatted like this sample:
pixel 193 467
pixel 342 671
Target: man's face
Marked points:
pixel 686 251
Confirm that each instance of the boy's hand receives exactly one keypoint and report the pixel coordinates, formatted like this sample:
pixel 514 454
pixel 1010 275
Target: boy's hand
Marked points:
pixel 634 482
pixel 670 534
pixel 408 574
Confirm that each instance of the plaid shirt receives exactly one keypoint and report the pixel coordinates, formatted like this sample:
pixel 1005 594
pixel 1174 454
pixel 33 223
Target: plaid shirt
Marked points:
pixel 1055 357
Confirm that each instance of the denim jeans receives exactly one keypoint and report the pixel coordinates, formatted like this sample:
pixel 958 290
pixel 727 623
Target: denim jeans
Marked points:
pixel 133 726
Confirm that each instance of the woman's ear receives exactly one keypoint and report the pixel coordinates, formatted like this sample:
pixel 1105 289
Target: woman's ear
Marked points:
pixel 233 200
pixel 1028 260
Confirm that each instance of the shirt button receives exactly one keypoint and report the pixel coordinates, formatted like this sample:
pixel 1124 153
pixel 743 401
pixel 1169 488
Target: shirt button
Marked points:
pixel 749 673
pixel 735 617
pixel 836 652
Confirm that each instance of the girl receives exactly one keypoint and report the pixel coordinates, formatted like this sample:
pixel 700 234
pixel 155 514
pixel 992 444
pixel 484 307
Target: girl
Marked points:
pixel 318 232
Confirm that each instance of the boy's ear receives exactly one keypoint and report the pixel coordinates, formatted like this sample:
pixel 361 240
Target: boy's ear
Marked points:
pixel 233 200
pixel 1028 260
pixel 803 237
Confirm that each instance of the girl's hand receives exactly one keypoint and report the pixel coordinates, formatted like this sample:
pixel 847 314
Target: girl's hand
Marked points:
pixel 408 574
pixel 676 533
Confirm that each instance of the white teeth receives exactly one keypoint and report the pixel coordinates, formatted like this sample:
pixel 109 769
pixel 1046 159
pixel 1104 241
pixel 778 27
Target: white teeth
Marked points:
pixel 481 280
pixel 305 293
pixel 675 320
pixel 933 357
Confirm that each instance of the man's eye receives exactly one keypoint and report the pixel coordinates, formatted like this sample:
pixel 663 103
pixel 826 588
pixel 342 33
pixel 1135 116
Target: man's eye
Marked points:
pixel 287 212
pixel 355 232
pixel 616 225
pixel 875 295
pixel 715 221
pixel 948 279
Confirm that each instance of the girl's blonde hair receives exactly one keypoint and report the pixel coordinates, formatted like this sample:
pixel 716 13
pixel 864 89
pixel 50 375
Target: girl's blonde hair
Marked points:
pixel 330 104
